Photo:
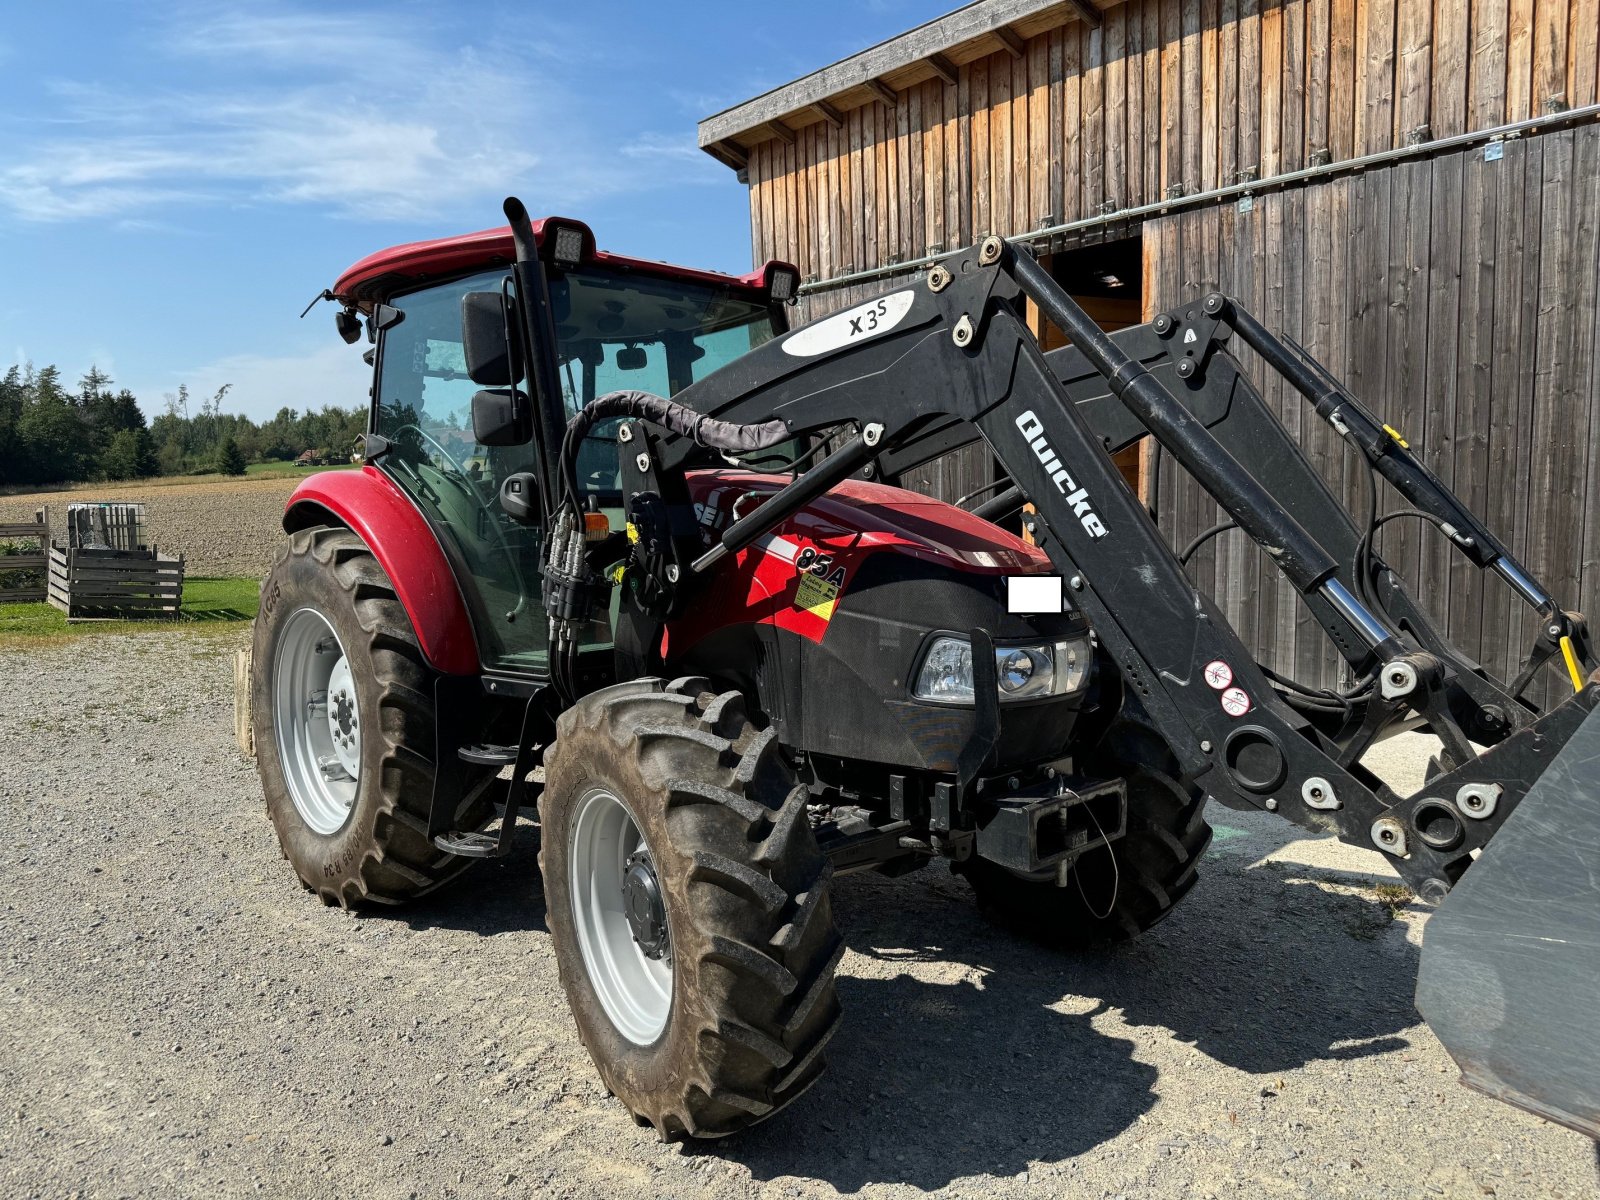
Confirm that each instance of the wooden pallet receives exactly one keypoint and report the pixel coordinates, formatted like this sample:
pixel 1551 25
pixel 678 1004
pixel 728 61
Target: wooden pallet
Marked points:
pixel 23 576
pixel 108 585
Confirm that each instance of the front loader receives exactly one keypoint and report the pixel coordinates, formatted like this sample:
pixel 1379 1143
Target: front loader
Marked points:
pixel 620 523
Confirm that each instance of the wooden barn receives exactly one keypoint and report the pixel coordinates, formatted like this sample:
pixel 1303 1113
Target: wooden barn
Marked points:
pixel 1409 188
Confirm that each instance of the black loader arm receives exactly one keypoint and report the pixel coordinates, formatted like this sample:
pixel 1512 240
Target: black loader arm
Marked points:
pixel 953 347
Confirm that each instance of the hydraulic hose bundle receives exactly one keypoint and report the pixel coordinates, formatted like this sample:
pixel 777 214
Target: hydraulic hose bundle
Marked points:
pixel 572 586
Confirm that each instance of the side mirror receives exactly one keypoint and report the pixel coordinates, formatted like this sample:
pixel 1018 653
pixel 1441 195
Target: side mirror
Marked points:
pixel 501 417
pixel 485 343
pixel 631 358
pixel 348 325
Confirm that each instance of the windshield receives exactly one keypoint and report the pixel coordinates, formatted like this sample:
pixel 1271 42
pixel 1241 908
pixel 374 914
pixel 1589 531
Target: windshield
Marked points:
pixel 614 330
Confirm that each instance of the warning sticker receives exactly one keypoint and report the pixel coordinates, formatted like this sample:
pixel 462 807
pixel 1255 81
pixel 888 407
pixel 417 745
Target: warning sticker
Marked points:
pixel 1218 675
pixel 816 596
pixel 1235 702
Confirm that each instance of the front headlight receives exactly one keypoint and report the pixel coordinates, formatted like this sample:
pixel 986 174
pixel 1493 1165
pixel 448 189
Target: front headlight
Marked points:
pixel 1030 671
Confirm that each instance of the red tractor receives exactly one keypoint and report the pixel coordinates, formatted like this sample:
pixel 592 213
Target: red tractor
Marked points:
pixel 619 523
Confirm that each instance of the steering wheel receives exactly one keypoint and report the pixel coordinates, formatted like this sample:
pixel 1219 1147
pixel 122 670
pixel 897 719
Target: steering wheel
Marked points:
pixel 454 474
pixel 457 474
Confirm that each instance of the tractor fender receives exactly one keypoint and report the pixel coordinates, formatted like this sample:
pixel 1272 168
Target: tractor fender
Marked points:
pixel 369 504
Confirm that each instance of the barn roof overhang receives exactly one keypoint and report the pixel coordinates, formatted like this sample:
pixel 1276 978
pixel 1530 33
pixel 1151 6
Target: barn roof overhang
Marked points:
pixel 879 74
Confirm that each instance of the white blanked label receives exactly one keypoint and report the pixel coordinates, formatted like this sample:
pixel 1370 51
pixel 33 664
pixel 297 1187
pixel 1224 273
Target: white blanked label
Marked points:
pixel 856 324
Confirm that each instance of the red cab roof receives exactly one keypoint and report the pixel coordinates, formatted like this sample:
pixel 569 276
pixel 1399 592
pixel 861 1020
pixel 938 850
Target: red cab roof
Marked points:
pixel 399 267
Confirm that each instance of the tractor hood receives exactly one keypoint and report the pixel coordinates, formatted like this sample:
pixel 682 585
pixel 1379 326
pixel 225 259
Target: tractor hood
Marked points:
pixel 859 518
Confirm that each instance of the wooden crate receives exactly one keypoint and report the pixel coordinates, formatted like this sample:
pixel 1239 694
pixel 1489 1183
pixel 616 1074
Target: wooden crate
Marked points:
pixel 92 585
pixel 23 576
pixel 106 524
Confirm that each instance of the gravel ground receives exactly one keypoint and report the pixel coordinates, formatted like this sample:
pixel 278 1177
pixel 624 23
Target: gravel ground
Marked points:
pixel 222 527
pixel 178 1018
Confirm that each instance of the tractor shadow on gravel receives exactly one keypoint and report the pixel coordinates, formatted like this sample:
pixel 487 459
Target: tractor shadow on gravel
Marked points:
pixel 967 1050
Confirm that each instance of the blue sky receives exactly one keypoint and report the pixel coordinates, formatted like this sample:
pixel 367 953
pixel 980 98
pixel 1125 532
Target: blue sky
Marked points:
pixel 178 179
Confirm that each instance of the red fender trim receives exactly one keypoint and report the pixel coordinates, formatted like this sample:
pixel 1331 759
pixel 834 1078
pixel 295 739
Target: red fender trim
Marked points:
pixel 382 516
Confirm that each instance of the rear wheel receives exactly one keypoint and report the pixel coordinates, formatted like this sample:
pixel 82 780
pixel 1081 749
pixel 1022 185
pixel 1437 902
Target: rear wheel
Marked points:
pixel 1114 893
pixel 342 706
pixel 688 906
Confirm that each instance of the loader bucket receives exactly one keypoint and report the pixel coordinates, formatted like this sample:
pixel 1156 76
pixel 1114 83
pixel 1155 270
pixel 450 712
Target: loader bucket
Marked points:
pixel 1510 975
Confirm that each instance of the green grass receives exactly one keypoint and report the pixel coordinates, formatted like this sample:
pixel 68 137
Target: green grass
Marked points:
pixel 287 470
pixel 207 603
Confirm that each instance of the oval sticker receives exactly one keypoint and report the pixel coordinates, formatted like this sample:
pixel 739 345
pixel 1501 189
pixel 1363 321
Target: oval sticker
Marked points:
pixel 852 325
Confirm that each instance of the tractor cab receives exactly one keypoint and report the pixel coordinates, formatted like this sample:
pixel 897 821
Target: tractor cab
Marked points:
pixel 618 323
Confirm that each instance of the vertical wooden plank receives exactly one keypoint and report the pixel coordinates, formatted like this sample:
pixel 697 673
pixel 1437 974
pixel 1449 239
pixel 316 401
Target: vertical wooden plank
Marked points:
pixel 1285 300
pixel 1154 102
pixel 1250 87
pixel 870 163
pixel 1319 35
pixel 1056 153
pixel 1565 348
pixel 1131 188
pixel 1583 52
pixel 1093 100
pixel 855 249
pixel 1041 150
pixel 1486 68
pixel 1271 87
pixel 1316 439
pixel 808 203
pixel 1511 449
pixel 1292 143
pixel 1519 60
pixel 1210 124
pixel 1228 93
pixel 914 234
pixel 1256 604
pixel 842 214
pixel 957 164
pixel 890 195
pixel 757 229
pixel 1171 94
pixel 1191 115
pixel 973 127
pixel 1020 167
pixel 1414 47
pixel 1341 78
pixel 1437 436
pixel 1476 349
pixel 1588 149
pixel 978 124
pixel 795 230
pixel 1376 87
pixel 1072 121
pixel 1402 405
pixel 1001 160
pixel 824 201
pixel 1448 101
pixel 1116 103
pixel 1523 224
pixel 1550 55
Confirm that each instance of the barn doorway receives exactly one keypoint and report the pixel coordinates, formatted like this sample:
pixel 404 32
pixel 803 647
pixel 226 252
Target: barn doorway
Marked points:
pixel 1107 280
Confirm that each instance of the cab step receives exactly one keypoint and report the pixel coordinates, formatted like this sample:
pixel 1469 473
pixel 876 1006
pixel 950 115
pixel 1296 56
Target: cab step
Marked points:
pixel 469 845
pixel 485 755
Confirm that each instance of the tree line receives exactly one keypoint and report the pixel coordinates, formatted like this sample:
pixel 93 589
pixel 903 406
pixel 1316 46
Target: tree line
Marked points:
pixel 50 433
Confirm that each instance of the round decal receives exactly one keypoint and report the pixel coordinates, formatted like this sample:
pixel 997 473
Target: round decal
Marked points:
pixel 1235 702
pixel 1218 674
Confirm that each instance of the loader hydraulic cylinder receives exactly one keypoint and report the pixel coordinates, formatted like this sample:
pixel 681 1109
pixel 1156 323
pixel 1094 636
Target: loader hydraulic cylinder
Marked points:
pixel 1301 558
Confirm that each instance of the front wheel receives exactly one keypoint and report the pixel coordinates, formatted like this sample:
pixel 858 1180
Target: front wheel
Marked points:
pixel 343 717
pixel 688 906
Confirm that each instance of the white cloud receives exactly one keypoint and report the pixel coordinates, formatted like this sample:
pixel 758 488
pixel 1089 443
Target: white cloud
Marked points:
pixel 326 112
pixel 262 384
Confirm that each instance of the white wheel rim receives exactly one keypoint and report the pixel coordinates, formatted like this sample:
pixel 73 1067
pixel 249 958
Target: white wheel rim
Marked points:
pixel 317 721
pixel 634 988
